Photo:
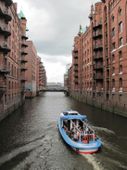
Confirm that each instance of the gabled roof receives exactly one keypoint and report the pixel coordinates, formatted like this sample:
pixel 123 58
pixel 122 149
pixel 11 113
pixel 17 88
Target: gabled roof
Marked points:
pixel 21 15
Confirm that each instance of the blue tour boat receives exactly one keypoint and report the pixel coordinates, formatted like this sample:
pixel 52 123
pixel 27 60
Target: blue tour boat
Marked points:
pixel 76 132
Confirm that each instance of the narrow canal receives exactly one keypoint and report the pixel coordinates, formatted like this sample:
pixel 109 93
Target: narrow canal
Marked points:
pixel 29 139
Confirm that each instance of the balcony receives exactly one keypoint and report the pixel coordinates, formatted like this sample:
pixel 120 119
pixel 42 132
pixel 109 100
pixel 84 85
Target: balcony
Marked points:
pixel 97 35
pixel 24 45
pixel 5 15
pixel 75 57
pixel 75 51
pixel 76 65
pixel 7 2
pixel 97 57
pixel 23 80
pixel 23 60
pixel 24 37
pixel 98 66
pixel 2 88
pixel 23 68
pixel 4 48
pixel 98 77
pixel 4 31
pixel 108 78
pixel 97 47
pixel 76 77
pixel 76 82
pixel 97 25
pixel 75 69
pixel 24 53
pixel 4 70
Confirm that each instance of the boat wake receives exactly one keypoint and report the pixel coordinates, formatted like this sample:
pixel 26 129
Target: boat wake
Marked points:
pixel 94 162
pixel 102 129
pixel 28 147
pixel 117 163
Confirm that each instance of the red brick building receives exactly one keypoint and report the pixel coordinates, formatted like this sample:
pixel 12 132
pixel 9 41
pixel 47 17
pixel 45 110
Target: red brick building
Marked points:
pixel 99 58
pixel 77 62
pixel 5 32
pixel 87 69
pixel 11 95
pixel 23 52
pixel 115 54
pixel 31 72
pixel 41 76
pixel 35 74
pixel 13 60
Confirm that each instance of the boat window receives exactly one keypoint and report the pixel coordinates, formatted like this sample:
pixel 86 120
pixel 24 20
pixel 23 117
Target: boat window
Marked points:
pixel 65 113
pixel 74 113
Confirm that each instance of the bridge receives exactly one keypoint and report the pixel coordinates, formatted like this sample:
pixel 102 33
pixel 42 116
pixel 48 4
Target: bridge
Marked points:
pixel 55 87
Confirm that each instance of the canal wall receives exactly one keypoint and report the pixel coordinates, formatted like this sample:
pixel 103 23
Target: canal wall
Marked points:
pixel 8 108
pixel 116 103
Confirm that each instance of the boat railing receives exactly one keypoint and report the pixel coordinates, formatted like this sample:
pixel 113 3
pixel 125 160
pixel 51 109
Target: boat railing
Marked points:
pixel 86 125
pixel 89 136
pixel 76 127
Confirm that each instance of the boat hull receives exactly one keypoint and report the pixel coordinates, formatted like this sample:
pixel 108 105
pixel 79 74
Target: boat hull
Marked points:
pixel 80 148
pixel 89 151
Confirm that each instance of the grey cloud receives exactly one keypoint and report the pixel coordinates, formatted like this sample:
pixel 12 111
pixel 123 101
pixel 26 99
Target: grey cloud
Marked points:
pixel 63 60
pixel 66 16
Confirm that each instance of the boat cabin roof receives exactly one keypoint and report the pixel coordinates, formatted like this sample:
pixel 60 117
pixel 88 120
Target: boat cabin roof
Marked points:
pixel 72 112
pixel 76 117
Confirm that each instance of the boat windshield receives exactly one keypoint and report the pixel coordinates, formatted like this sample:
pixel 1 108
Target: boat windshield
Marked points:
pixel 70 113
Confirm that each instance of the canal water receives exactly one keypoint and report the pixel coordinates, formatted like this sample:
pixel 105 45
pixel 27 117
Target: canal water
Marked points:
pixel 29 138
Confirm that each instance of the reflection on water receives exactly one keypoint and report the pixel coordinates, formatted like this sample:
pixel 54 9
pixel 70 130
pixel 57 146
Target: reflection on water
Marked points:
pixel 29 138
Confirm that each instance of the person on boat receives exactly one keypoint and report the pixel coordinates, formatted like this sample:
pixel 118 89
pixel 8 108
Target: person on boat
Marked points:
pixel 75 137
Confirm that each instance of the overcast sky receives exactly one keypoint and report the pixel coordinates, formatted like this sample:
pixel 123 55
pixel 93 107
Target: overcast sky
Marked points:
pixel 52 26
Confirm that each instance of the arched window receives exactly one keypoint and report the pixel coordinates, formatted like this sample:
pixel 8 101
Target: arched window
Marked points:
pixel 113 32
pixel 120 69
pixel 105 13
pixel 121 41
pixel 120 82
pixel 119 11
pixel 113 70
pixel 113 57
pixel 120 26
pixel 113 18
pixel 113 83
pixel 120 55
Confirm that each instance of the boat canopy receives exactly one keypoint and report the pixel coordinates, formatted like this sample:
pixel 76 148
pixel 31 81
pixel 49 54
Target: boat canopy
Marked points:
pixel 70 117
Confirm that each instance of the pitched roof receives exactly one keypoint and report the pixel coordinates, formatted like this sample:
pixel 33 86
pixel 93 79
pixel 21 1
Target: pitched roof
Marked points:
pixel 21 15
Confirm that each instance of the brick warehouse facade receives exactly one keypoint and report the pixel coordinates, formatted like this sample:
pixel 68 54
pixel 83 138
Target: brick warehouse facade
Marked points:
pixel 12 94
pixel 35 74
pixel 98 73
pixel 13 52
